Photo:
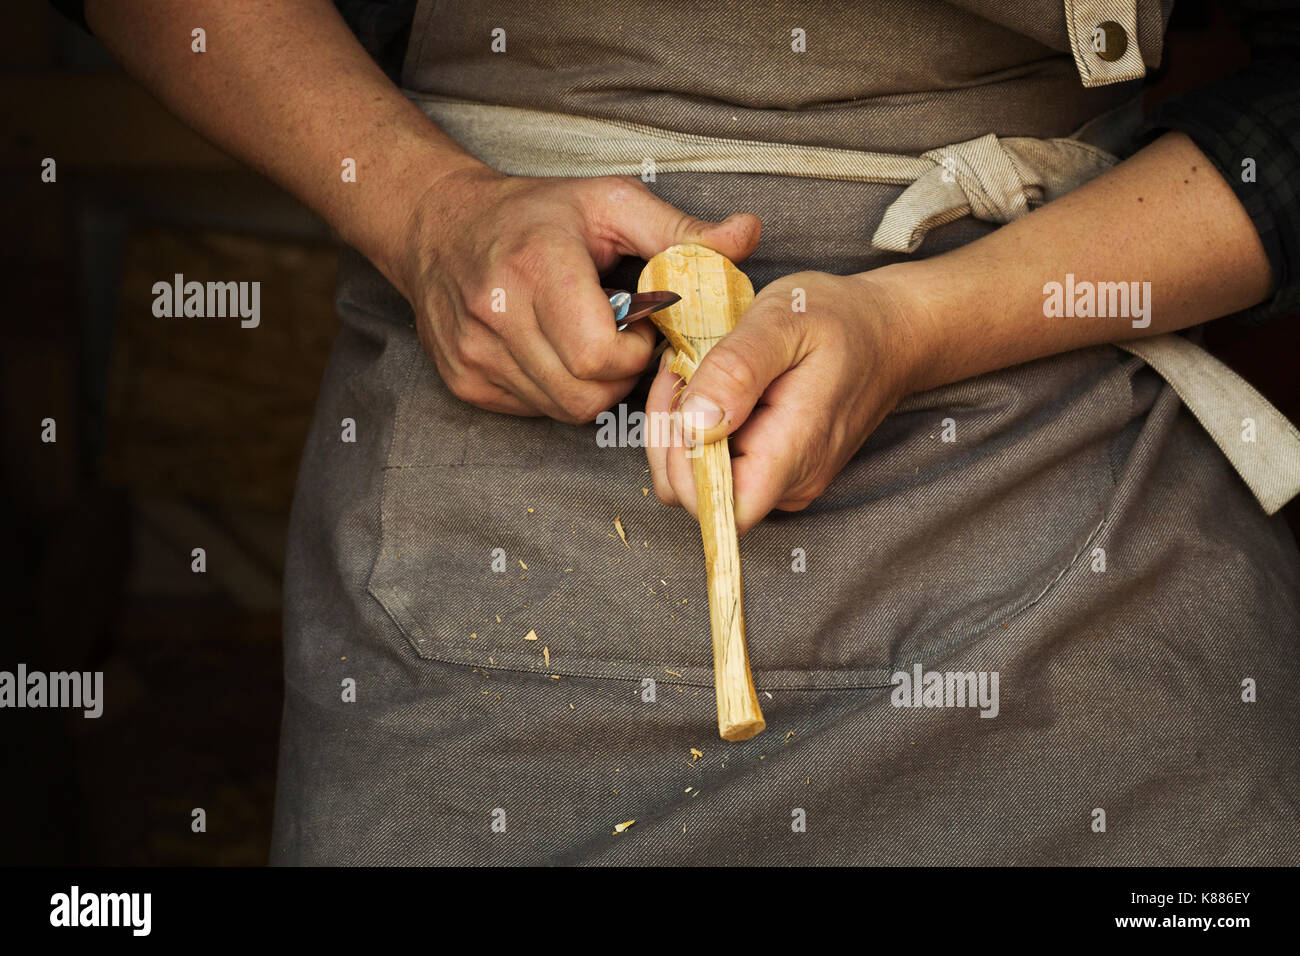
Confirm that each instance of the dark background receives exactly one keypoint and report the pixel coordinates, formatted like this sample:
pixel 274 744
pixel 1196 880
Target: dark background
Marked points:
pixel 177 435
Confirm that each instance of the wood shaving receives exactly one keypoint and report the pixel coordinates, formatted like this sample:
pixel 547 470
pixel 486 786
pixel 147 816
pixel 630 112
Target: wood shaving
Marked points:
pixel 530 636
pixel 645 492
pixel 681 386
pixel 674 673
pixel 546 659
pixel 696 754
pixel 620 827
pixel 618 526
pixel 522 565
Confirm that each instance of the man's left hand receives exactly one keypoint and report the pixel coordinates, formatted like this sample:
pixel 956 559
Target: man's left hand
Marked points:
pixel 811 368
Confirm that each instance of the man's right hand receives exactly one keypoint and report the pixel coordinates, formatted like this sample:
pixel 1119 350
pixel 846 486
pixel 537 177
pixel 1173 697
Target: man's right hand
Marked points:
pixel 295 96
pixel 503 274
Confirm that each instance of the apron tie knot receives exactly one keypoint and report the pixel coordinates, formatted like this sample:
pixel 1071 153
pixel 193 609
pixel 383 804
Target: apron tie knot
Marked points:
pixel 989 178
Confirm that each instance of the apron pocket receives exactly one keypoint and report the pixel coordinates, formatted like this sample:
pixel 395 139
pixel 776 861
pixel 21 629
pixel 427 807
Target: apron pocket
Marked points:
pixel 498 530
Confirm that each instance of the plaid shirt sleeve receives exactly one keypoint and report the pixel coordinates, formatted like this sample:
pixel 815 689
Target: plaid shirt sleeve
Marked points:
pixel 1248 125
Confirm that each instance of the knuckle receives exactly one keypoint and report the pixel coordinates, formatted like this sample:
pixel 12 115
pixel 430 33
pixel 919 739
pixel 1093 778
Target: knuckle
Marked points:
pixel 570 417
pixel 581 407
pixel 616 189
pixel 603 199
pixel 562 277
pixel 469 388
pixel 809 486
pixel 527 255
pixel 489 303
pixel 818 487
pixel 839 438
pixel 585 362
pixel 530 261
pixel 689 227
pixel 476 361
pixel 737 369
pixel 788 324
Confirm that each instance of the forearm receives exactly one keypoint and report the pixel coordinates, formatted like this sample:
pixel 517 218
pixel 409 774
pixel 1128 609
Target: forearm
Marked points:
pixel 1163 217
pixel 286 88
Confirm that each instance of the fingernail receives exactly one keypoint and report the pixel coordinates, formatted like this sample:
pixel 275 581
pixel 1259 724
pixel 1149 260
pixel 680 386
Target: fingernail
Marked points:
pixel 700 413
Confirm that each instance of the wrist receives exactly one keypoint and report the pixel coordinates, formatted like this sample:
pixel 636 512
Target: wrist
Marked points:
pixel 414 211
pixel 900 300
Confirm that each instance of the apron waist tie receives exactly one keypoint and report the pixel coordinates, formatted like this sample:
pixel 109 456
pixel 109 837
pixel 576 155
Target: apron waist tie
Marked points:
pixel 991 178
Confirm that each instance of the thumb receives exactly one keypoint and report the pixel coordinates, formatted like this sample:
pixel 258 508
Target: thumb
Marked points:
pixel 733 376
pixel 651 225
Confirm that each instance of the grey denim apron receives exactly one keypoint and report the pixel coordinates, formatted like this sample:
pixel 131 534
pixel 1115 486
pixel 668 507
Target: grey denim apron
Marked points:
pixel 1082 537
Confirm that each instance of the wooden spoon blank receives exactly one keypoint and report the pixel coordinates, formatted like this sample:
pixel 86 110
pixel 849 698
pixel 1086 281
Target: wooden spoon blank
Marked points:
pixel 714 294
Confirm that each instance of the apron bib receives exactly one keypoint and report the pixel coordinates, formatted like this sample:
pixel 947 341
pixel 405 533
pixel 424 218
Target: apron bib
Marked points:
pixel 1081 537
